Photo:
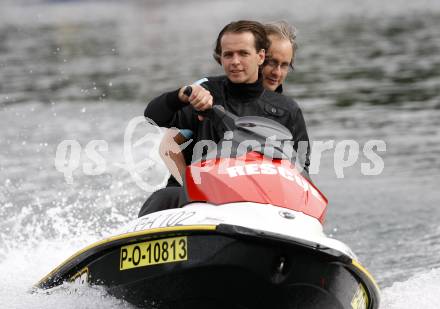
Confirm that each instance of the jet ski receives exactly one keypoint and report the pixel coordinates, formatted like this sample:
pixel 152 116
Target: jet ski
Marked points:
pixel 250 236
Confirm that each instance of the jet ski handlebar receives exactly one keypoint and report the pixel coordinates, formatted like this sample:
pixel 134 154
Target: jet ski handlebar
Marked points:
pixel 256 125
pixel 219 111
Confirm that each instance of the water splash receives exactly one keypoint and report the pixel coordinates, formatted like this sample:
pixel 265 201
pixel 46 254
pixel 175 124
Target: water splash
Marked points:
pixel 422 291
pixel 24 266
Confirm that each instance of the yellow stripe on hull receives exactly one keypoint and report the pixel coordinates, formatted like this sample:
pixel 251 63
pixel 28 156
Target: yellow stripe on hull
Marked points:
pixel 159 230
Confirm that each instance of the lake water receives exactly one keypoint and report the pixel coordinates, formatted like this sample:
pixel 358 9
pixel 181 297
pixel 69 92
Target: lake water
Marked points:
pixel 81 71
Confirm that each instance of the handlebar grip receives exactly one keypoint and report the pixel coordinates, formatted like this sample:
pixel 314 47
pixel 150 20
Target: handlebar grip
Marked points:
pixel 188 90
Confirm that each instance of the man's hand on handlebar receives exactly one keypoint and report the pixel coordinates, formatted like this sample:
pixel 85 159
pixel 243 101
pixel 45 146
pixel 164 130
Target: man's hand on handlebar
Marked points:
pixel 200 98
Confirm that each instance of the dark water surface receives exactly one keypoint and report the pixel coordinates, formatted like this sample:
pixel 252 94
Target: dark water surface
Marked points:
pixel 72 70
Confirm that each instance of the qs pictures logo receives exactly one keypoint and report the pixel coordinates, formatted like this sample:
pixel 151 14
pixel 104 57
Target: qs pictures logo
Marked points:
pixel 140 156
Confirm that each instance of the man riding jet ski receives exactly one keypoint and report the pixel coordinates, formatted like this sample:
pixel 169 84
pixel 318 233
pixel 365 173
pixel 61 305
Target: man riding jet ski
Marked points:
pixel 250 236
pixel 240 49
pixel 279 61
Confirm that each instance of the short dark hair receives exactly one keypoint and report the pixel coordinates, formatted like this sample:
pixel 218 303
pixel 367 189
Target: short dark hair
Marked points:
pixel 257 29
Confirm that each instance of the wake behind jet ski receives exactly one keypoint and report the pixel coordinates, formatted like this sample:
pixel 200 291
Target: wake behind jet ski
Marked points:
pixel 251 236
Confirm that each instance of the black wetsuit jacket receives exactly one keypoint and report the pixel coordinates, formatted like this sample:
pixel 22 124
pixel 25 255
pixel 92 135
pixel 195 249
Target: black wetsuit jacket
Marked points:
pixel 240 99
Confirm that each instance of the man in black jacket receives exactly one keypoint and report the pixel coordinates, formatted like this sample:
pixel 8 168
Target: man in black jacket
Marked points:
pixel 278 62
pixel 240 49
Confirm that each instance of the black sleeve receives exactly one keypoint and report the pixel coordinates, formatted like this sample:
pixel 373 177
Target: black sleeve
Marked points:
pixel 301 139
pixel 168 111
pixel 162 109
